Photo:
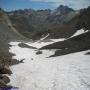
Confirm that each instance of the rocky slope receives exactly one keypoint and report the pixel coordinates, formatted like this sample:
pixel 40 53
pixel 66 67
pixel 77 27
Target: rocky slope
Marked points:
pixel 7 33
pixel 71 45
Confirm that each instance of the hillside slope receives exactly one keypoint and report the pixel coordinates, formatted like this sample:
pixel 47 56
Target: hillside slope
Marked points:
pixel 7 33
pixel 82 20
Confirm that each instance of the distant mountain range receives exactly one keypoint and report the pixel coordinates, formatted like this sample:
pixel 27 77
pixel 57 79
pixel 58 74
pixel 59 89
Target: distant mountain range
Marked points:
pixel 33 23
pixel 60 23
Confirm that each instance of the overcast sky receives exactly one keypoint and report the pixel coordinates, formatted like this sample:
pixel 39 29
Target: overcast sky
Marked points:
pixel 42 4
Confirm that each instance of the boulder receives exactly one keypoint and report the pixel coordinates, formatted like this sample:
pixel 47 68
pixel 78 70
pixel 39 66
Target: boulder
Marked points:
pixel 39 52
pixel 14 62
pixel 5 79
pixel 2 83
pixel 88 53
pixel 21 61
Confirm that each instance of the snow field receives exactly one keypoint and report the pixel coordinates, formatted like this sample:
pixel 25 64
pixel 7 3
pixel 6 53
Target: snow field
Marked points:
pixel 69 72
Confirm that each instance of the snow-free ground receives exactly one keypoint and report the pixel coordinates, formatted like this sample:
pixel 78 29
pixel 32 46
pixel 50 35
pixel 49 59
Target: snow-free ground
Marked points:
pixel 68 72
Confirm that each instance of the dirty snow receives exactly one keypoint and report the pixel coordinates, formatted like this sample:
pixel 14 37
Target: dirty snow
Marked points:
pixel 69 72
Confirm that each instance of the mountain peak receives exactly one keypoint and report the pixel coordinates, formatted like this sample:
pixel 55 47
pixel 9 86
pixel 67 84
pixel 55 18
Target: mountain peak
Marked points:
pixel 63 9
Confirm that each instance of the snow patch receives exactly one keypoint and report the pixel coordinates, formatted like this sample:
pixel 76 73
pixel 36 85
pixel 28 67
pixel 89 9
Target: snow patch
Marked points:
pixel 14 43
pixel 44 37
pixel 58 40
pixel 79 32
pixel 40 44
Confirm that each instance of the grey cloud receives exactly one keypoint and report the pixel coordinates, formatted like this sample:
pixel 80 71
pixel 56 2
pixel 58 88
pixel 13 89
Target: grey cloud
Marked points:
pixel 76 4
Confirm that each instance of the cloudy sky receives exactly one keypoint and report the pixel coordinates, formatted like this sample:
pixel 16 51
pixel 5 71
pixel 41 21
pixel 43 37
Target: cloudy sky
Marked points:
pixel 42 4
